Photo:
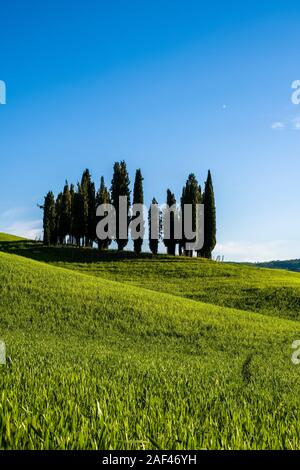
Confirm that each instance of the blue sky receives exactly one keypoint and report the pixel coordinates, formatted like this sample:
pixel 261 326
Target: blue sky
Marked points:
pixel 172 87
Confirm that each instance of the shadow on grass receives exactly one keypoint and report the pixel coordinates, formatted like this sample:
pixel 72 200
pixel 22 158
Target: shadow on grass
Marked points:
pixel 69 254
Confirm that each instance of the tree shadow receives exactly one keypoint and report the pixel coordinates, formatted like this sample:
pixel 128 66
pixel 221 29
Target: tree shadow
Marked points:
pixel 66 253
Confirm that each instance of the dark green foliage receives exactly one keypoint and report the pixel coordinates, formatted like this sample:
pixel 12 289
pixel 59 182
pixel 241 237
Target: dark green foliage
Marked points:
pixel 172 241
pixel 209 219
pixel 58 207
pixel 89 208
pixel 49 222
pixel 290 265
pixel 78 216
pixel 138 198
pixel 103 197
pixel 66 212
pixel 76 222
pixel 120 187
pixel 72 192
pixel 153 242
pixel 91 213
pixel 191 194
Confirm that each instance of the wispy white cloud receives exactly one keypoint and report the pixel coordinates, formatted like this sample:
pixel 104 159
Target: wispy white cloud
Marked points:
pixel 253 252
pixel 12 213
pixel 288 123
pixel 31 229
pixel 295 122
pixel 15 222
pixel 278 125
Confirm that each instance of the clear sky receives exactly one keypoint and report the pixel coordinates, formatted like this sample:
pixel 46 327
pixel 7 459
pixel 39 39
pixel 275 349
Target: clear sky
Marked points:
pixel 173 87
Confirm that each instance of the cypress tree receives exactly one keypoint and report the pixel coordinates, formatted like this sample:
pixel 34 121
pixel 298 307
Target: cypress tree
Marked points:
pixel 209 219
pixel 91 213
pixel 182 202
pixel 72 192
pixel 120 187
pixel 59 233
pixel 86 192
pixel 103 197
pixel 154 242
pixel 171 242
pixel 49 222
pixel 78 215
pixel 66 212
pixel 191 194
pixel 138 198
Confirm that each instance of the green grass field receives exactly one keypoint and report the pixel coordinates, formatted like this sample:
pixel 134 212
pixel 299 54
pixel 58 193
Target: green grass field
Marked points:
pixel 114 352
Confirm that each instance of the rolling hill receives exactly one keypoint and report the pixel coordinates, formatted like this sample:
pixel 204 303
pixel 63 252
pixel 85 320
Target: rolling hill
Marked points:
pixel 290 265
pixel 109 351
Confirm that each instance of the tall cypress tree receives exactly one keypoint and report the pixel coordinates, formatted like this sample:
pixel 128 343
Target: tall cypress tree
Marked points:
pixel 138 198
pixel 182 202
pixel 209 219
pixel 49 221
pixel 72 192
pixel 86 182
pixel 66 212
pixel 120 187
pixel 154 242
pixel 103 197
pixel 78 215
pixel 171 242
pixel 191 194
pixel 59 232
pixel 91 213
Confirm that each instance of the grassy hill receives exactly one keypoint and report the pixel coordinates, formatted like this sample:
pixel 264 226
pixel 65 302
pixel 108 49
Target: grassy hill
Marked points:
pixel 242 287
pixel 290 265
pixel 118 352
pixel 4 237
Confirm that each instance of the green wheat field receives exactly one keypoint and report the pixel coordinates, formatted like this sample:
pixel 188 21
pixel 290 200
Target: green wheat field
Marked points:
pixel 109 351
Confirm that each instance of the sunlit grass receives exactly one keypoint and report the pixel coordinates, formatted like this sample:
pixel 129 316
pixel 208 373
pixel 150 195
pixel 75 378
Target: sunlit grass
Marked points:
pixel 105 364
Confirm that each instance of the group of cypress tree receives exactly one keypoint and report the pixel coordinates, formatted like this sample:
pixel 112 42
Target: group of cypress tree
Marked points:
pixel 192 195
pixel 71 216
